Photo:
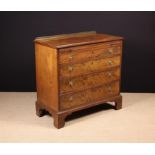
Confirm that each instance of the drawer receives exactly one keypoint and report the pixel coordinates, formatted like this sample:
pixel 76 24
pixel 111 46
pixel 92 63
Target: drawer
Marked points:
pixel 83 53
pixel 89 96
pixel 74 55
pixel 72 70
pixel 84 82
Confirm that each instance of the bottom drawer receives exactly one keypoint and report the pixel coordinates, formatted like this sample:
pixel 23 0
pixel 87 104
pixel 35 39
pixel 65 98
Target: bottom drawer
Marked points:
pixel 89 96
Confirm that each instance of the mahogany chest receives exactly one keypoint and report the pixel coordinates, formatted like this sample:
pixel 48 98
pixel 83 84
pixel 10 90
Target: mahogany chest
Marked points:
pixel 77 71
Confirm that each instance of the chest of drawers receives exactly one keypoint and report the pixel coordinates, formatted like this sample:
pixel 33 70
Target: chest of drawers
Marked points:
pixel 75 72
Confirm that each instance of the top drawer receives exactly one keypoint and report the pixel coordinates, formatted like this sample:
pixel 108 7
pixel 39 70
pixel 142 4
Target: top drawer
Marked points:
pixel 82 53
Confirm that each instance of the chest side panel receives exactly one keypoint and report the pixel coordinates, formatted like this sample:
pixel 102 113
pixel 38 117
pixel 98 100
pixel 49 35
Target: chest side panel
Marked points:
pixel 46 76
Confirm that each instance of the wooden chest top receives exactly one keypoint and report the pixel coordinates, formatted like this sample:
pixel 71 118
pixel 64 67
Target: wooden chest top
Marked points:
pixel 75 39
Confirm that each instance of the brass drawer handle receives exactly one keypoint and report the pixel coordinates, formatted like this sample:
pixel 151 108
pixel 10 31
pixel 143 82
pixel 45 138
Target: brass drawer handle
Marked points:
pixel 70 56
pixel 109 74
pixel 110 51
pixel 70 83
pixel 107 52
pixel 70 98
pixel 70 68
pixel 110 62
pixel 109 88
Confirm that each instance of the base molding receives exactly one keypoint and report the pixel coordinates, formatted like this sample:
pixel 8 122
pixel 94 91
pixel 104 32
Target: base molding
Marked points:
pixel 59 117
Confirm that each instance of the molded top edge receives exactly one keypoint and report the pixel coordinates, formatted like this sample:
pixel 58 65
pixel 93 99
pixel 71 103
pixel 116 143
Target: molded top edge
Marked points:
pixel 75 39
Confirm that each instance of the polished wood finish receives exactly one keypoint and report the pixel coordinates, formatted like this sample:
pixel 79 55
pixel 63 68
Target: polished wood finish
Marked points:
pixel 88 96
pixel 75 39
pixel 88 81
pixel 77 71
pixel 46 76
pixel 89 66
pixel 82 53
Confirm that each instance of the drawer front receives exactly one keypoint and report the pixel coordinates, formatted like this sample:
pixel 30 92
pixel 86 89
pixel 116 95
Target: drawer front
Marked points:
pixel 87 81
pixel 74 55
pixel 83 53
pixel 89 96
pixel 89 66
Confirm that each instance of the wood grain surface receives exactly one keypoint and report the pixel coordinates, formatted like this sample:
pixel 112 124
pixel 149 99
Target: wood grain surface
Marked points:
pixel 82 53
pixel 69 40
pixel 89 96
pixel 46 76
pixel 90 80
pixel 89 66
